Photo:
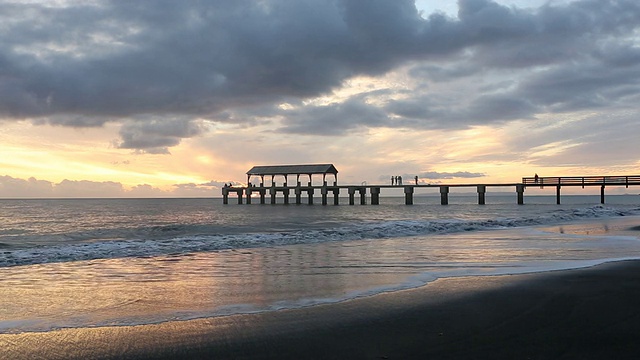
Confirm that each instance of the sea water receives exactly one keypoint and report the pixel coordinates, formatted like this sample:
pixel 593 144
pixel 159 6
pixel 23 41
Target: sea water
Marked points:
pixel 113 262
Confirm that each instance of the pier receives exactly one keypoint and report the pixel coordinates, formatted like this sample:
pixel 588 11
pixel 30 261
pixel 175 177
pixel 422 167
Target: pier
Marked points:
pixel 582 181
pixel 330 192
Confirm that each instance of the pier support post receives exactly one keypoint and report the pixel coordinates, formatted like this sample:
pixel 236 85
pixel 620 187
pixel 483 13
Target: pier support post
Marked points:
pixel 602 194
pixel 225 196
pixel 558 194
pixel 375 196
pixel 310 194
pixel 263 192
pixel 324 193
pixel 285 193
pixel 482 190
pixel 352 193
pixel 248 191
pixel 272 192
pixel 298 192
pixel 336 196
pixel 363 196
pixel 240 193
pixel 444 195
pixel 408 195
pixel 520 192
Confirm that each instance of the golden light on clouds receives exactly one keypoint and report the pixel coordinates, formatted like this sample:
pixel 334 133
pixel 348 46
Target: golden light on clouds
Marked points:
pixel 55 154
pixel 553 148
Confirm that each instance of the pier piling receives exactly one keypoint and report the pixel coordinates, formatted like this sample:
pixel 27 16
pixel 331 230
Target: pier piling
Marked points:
pixel 375 196
pixel 482 189
pixel 298 192
pixel 520 191
pixel 444 195
pixel 310 195
pixel 408 195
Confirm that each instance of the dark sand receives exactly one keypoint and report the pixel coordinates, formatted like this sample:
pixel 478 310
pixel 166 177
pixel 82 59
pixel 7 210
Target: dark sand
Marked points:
pixel 579 314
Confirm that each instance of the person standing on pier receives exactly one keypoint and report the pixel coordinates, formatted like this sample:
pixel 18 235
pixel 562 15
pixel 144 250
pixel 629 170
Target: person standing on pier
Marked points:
pixel 416 179
pixel 399 180
pixel 393 180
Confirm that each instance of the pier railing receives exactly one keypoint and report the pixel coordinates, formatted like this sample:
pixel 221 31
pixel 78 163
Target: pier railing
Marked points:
pixel 582 180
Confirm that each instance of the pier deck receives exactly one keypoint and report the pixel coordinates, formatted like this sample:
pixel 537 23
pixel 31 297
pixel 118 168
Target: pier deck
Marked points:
pixel 245 194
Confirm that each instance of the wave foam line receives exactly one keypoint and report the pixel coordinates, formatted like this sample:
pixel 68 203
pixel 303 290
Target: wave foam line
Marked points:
pixel 215 242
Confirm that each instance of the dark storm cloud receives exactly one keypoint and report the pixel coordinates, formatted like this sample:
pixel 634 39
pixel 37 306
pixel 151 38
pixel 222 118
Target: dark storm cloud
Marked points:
pixel 89 63
pixel 334 119
pixel 439 115
pixel 156 136
pixel 583 86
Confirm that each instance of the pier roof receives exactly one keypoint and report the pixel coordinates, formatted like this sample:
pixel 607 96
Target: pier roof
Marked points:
pixel 293 169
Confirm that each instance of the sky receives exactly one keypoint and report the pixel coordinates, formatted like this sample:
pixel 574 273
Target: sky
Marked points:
pixel 176 98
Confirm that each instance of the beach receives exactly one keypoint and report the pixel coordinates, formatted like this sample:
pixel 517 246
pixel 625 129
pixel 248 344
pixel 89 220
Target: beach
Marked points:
pixel 589 313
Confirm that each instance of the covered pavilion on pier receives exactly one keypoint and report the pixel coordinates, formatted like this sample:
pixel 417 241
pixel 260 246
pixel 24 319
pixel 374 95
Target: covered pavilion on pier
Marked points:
pixel 286 170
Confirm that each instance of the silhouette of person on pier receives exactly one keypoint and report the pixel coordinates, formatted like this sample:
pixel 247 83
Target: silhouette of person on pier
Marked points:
pixel 393 180
pixel 536 178
pixel 416 179
pixel 399 180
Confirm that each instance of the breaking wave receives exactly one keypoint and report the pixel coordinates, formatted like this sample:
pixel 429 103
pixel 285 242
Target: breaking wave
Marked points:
pixel 183 239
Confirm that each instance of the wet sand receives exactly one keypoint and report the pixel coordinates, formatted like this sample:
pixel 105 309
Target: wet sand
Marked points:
pixel 589 313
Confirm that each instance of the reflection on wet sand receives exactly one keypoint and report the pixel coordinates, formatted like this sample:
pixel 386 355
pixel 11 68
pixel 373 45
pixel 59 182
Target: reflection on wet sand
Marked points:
pixel 620 226
pixel 143 290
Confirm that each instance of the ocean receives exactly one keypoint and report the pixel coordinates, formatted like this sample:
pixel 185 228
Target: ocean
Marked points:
pixel 67 263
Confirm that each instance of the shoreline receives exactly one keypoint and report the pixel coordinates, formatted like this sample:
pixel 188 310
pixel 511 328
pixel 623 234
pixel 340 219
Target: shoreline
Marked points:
pixel 585 313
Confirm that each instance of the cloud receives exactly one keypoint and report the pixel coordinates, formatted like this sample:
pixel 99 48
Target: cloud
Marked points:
pixel 333 119
pixel 84 64
pixel 434 175
pixel 155 136
pixel 11 187
pixel 88 189
pixel 590 140
pixel 197 190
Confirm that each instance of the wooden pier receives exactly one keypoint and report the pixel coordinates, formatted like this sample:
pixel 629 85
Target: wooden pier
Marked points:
pixel 582 181
pixel 245 194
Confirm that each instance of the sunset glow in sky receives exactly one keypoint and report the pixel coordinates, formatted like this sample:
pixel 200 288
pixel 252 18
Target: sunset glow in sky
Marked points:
pixel 176 98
